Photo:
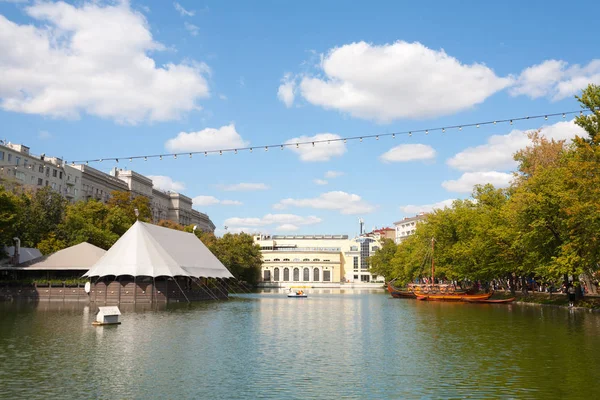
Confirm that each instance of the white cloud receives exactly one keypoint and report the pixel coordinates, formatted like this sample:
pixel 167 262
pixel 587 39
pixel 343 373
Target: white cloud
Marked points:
pixel 319 151
pixel 408 152
pixel 287 228
pixel 497 153
pixel 191 28
pixel 43 135
pixel 399 80
pixel 211 201
pixel 333 174
pixel 320 181
pixel 272 219
pixel 413 209
pixel 286 91
pixel 93 58
pixel 166 183
pixel 207 139
pixel 343 202
pixel 556 79
pixel 183 11
pixel 465 183
pixel 243 187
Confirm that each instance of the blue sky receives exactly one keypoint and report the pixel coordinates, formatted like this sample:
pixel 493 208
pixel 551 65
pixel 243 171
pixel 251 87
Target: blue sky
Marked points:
pixel 90 80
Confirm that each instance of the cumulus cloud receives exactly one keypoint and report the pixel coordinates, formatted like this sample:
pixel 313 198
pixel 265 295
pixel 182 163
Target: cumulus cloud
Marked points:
pixel 497 153
pixel 465 183
pixel 320 181
pixel 556 79
pixel 272 219
pixel 166 183
pixel 414 209
pixel 243 187
pixel 225 137
pixel 408 152
pixel 318 151
pixel 211 201
pixel 345 203
pixel 333 174
pixel 183 11
pixel 398 80
pixel 286 92
pixel 93 58
pixel 287 228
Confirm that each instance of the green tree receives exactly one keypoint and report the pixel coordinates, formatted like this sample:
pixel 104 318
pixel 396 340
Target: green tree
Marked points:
pixel 43 211
pixel 240 255
pixel 11 214
pixel 381 261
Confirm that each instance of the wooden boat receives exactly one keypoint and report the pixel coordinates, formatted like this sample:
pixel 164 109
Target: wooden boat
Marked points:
pixel 400 293
pixel 488 301
pixel 453 297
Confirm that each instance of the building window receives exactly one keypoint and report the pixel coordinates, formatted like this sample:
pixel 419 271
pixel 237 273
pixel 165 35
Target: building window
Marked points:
pixel 276 275
pixel 76 179
pixel 1 155
pixel 353 248
pixel 355 263
pixel 47 171
pixel 267 275
pixel 286 259
pixel 40 181
pixel 316 259
pixel 316 275
pixel 326 276
pixel 60 175
pixel 306 259
pixel 296 274
pixel 9 157
pixel 41 169
pixel 364 253
pixel 364 278
pixel 276 259
pixel 306 275
pixel 355 276
pixel 54 173
pixel 54 185
pixel 375 248
pixel 286 274
pixel 20 175
pixel 17 160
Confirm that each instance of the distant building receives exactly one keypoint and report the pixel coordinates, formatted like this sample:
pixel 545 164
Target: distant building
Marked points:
pixel 316 259
pixel 407 226
pixel 18 167
pixel 382 233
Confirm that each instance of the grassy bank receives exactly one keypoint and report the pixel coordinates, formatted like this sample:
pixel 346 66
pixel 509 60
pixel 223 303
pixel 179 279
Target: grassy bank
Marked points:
pixel 555 299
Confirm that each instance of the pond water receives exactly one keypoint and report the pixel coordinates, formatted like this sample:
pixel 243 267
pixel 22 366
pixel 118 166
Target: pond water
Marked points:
pixel 334 344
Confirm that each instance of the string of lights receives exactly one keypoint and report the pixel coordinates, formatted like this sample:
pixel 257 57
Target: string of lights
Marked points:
pixel 313 143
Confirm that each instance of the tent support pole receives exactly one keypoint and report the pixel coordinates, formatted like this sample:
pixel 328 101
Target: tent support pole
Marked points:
pixel 206 291
pixel 219 288
pixel 230 289
pixel 175 279
pixel 244 286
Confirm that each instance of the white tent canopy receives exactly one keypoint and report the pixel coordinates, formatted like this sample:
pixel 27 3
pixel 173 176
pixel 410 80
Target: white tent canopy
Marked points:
pixel 150 250
pixel 79 257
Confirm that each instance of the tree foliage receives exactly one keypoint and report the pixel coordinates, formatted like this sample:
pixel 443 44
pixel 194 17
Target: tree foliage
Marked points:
pixel 545 224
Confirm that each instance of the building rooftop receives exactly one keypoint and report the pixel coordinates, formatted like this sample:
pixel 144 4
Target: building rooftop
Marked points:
pixel 417 217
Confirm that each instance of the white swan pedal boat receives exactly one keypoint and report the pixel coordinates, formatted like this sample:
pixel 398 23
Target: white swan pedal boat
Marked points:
pixel 297 293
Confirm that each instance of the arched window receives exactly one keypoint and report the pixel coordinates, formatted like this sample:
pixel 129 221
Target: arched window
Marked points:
pixel 286 274
pixel 316 259
pixel 286 259
pixel 306 275
pixel 315 275
pixel 296 274
pixel 306 259
pixel 267 275
pixel 276 275
pixel 276 259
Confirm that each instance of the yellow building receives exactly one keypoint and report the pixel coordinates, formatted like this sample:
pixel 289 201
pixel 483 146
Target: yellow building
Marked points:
pixel 316 260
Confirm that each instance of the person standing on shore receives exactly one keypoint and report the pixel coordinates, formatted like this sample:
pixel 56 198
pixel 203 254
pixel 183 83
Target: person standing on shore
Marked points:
pixel 571 294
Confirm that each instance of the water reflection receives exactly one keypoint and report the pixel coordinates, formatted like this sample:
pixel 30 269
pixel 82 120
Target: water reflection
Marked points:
pixel 335 343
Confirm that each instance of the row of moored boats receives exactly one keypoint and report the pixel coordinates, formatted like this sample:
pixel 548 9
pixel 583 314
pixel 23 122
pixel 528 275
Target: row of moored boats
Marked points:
pixel 442 292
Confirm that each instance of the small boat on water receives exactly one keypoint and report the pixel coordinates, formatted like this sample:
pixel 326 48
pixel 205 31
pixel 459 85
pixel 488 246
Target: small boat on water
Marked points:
pixel 491 301
pixel 454 297
pixel 296 293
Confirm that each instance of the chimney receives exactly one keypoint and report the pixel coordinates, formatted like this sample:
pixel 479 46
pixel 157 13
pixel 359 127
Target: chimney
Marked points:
pixel 16 255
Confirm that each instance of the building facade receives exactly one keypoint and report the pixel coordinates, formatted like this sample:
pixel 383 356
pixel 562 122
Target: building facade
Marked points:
pixel 18 167
pixel 408 225
pixel 316 259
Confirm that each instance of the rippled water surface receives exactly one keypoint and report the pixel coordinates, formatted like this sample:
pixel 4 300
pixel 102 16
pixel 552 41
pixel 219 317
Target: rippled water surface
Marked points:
pixel 334 344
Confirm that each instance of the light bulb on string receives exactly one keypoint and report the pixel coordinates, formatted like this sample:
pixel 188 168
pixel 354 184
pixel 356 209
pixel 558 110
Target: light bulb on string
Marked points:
pixel 511 121
pixel 266 148
pixel 564 116
pixel 117 160
pixel 477 126
pixel 393 136
pixel 443 130
pixel 220 152
pixel 175 156
pixel 460 128
pixel 190 155
pixel 313 143
pixel 250 149
pixel 377 137
pixel 281 147
pixel 297 145
pixel 160 158
pixel 546 117
pixel 345 141
pixel 235 151
pixel 205 154
pixel 409 133
pixel 130 159
pixel 427 131
pixel 361 139
pixel 494 122
pixel 145 158
pixel 100 160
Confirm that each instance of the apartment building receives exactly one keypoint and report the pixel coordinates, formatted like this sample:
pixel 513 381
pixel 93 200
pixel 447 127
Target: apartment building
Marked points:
pixel 408 225
pixel 18 167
